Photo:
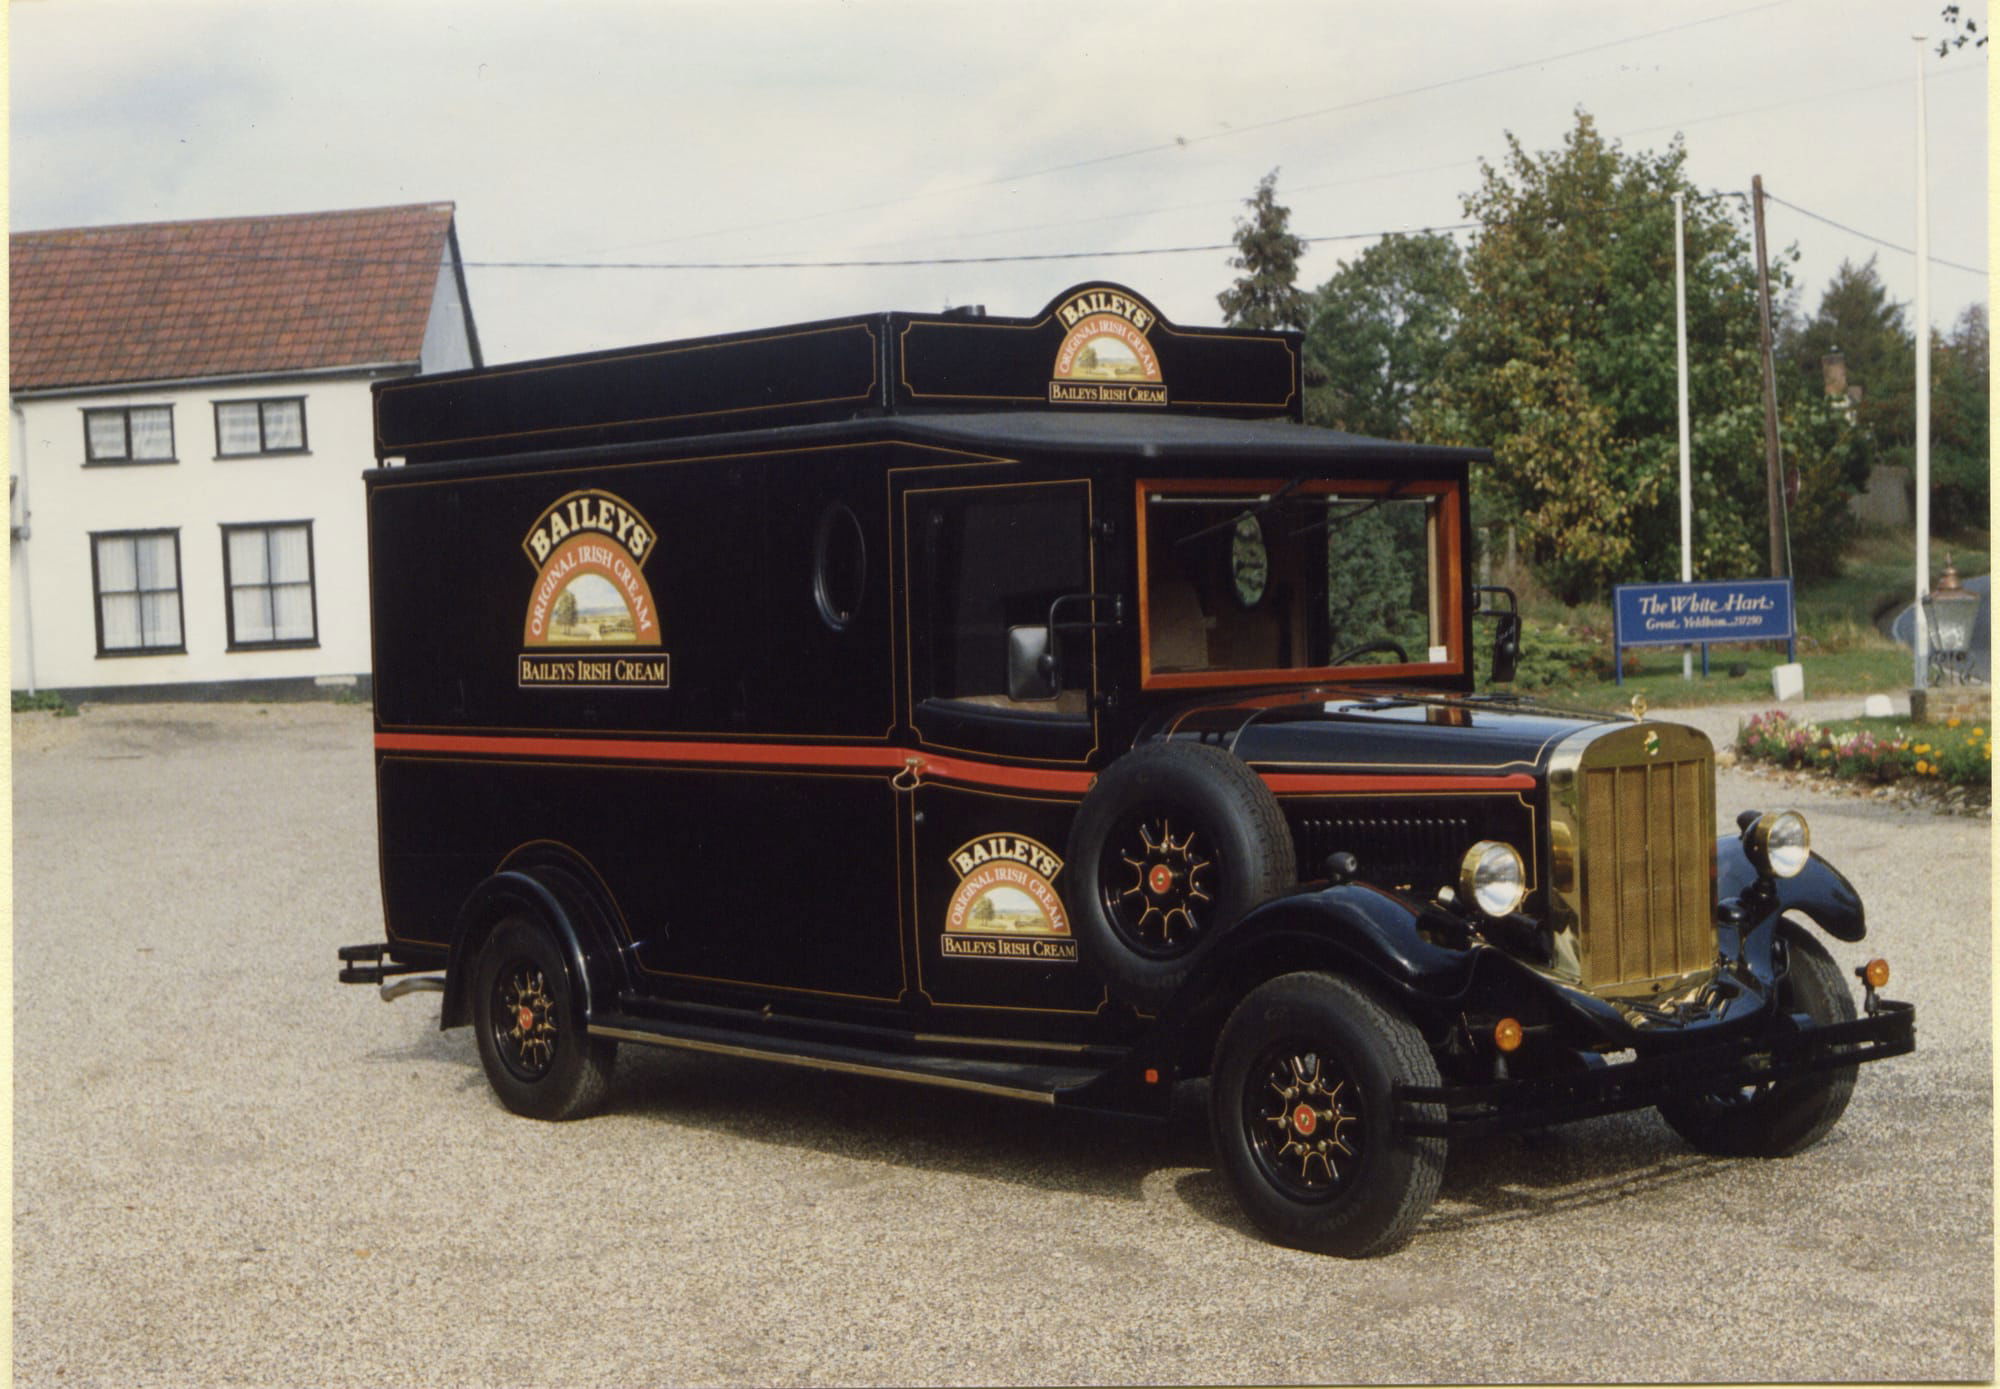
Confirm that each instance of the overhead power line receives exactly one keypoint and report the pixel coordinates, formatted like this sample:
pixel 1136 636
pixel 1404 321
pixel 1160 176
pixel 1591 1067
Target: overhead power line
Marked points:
pixel 1866 236
pixel 1183 142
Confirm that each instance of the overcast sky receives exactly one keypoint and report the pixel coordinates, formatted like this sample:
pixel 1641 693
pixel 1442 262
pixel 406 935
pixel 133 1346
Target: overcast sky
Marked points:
pixel 744 131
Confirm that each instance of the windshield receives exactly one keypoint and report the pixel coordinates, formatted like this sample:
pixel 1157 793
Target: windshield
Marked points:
pixel 1295 579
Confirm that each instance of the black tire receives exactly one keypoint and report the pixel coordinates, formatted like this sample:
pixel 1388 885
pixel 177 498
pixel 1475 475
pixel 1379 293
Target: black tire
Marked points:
pixel 1778 1118
pixel 537 1055
pixel 1304 1074
pixel 1175 842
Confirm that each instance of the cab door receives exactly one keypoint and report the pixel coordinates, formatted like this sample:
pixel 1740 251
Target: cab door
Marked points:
pixel 997 779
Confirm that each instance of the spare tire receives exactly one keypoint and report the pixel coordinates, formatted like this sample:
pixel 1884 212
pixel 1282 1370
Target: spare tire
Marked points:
pixel 1174 843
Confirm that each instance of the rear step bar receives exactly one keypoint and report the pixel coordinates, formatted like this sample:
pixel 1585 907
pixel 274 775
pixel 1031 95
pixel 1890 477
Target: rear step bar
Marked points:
pixel 362 964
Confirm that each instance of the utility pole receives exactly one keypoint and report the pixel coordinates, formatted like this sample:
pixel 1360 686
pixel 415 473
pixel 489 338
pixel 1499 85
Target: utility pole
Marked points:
pixel 1773 480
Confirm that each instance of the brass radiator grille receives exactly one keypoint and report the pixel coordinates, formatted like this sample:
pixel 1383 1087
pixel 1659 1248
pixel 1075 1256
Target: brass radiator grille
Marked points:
pixel 1646 857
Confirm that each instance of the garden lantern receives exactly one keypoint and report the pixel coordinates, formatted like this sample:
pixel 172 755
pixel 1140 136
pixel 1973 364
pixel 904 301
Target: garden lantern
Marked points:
pixel 1950 610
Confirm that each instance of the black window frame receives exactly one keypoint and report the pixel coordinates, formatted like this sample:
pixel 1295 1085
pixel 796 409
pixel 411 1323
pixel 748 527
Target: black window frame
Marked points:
pixel 97 593
pixel 90 458
pixel 263 450
pixel 229 587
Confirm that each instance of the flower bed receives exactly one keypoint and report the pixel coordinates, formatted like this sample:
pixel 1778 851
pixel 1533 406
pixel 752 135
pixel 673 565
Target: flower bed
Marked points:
pixel 1880 751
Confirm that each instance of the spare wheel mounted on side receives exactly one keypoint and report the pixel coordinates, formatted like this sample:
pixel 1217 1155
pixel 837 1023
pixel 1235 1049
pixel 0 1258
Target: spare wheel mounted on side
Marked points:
pixel 1175 842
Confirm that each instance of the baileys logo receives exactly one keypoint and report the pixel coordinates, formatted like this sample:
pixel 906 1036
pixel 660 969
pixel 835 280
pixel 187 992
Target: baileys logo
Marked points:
pixel 1106 356
pixel 1006 906
pixel 590 550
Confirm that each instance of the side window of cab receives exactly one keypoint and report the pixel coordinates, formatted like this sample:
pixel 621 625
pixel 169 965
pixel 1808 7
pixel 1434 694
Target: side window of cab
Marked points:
pixel 987 565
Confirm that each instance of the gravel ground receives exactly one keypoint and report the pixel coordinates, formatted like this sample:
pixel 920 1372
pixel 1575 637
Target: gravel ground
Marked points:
pixel 231 1170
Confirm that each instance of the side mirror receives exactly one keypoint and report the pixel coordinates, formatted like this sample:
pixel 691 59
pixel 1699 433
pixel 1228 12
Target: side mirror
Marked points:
pixel 1506 646
pixel 1031 664
pixel 1506 632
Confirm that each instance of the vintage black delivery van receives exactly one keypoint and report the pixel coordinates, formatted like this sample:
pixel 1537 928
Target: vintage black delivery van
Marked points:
pixel 1036 707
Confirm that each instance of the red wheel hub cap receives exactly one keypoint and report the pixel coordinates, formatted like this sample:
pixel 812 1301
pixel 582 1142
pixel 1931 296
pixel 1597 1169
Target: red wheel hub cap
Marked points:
pixel 1160 879
pixel 527 1016
pixel 1304 1121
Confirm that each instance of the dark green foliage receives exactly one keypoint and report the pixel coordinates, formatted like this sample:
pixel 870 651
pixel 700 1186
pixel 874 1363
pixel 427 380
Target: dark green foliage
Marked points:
pixel 1380 329
pixel 1554 656
pixel 1266 294
pixel 1857 318
pixel 1374 565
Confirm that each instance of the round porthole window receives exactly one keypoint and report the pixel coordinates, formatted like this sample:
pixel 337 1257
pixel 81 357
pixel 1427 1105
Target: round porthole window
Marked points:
pixel 840 566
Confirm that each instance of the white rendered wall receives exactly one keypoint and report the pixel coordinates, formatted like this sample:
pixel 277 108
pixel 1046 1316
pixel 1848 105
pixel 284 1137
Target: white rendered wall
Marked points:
pixel 195 495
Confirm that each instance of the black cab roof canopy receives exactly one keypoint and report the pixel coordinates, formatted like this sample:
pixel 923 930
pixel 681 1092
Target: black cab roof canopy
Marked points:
pixel 1099 370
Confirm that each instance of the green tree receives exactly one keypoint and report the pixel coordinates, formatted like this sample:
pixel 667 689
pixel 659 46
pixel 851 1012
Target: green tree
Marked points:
pixel 1857 319
pixel 1961 467
pixel 1380 328
pixel 1266 294
pixel 1564 363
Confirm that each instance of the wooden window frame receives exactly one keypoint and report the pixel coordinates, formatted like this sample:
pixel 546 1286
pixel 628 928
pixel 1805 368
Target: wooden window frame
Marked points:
pixel 97 594
pixel 91 460
pixel 1445 539
pixel 263 450
pixel 229 587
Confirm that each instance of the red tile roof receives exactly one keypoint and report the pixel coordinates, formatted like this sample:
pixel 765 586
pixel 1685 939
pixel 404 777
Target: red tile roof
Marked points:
pixel 233 295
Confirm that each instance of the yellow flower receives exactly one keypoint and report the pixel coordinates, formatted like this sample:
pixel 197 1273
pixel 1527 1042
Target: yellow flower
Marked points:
pixel 1921 747
pixel 1979 733
pixel 1922 767
pixel 1826 752
pixel 1951 723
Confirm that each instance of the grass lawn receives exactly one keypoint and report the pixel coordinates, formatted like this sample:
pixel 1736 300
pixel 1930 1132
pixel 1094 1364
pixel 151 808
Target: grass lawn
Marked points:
pixel 1883 669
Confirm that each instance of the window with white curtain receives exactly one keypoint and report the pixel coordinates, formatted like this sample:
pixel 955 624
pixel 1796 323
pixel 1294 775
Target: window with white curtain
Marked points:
pixel 268 570
pixel 138 580
pixel 129 434
pixel 248 427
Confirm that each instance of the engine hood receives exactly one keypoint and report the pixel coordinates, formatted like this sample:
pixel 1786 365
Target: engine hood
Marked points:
pixel 1385 732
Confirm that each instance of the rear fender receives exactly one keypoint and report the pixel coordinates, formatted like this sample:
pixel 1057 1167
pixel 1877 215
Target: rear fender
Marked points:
pixel 1818 891
pixel 561 899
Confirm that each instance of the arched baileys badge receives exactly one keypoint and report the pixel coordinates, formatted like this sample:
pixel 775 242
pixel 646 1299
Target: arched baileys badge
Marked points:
pixel 1106 357
pixel 591 617
pixel 1006 906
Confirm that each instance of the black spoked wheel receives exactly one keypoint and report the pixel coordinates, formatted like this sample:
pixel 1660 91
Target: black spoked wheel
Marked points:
pixel 1175 842
pixel 1303 1122
pixel 1158 886
pixel 1776 1118
pixel 538 1057
pixel 523 1019
pixel 1303 1112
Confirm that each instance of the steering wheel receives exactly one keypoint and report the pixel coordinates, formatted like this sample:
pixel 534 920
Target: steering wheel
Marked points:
pixel 1402 656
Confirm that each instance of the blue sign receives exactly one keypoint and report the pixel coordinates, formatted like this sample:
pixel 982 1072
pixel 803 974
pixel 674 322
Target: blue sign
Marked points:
pixel 1684 614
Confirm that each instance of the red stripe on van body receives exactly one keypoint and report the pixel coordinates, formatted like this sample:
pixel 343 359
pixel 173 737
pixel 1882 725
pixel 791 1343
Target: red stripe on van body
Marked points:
pixel 891 760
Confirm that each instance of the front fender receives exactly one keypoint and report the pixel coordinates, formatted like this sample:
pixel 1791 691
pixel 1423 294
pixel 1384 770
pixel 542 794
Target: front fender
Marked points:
pixel 1818 891
pixel 1354 930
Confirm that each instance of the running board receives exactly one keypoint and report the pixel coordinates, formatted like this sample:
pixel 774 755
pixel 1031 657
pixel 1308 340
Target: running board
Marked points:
pixel 1036 1083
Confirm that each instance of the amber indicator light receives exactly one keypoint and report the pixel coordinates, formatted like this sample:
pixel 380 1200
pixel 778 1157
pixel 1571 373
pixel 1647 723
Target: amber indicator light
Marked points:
pixel 1876 973
pixel 1507 1034
pixel 1152 1076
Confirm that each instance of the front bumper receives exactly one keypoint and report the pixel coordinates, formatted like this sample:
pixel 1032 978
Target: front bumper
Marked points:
pixel 1501 1106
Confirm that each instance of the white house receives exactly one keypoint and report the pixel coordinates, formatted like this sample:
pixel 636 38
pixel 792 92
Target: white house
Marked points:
pixel 191 418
